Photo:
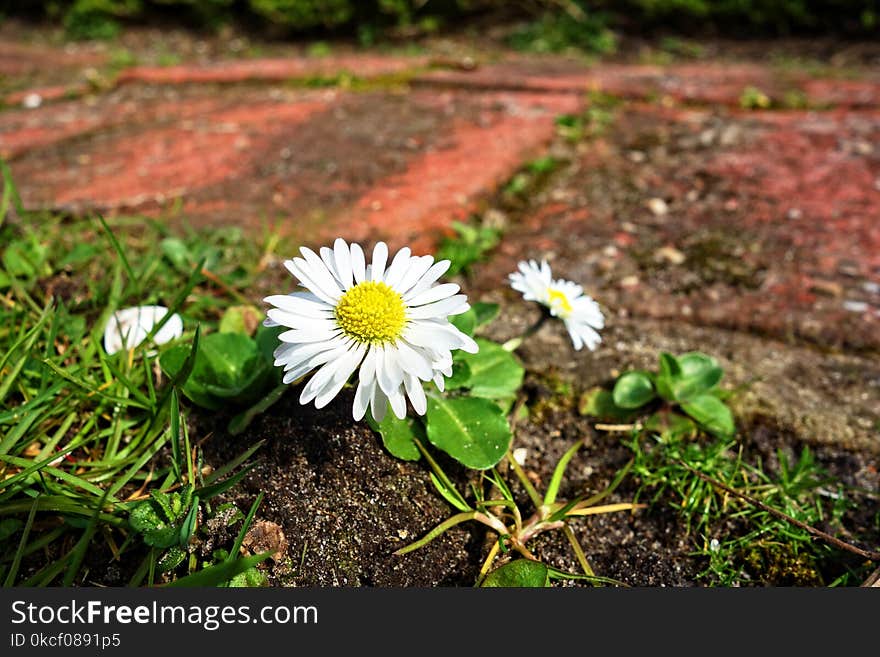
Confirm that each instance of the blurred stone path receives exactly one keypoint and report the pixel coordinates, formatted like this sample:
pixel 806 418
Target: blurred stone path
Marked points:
pixel 742 196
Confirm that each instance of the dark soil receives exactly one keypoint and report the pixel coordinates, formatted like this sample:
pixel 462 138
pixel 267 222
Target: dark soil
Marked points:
pixel 345 505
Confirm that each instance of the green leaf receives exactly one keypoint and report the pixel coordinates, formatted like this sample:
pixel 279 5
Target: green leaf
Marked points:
pixel 250 578
pixel 699 374
pixel 485 312
pixel 461 376
pixel 712 414
pixel 471 430
pixel 177 252
pixel 670 370
pixel 399 436
pixel 599 403
pixel 518 574
pixel 172 558
pixel 495 372
pixel 466 322
pixel 633 390
pixel 229 367
pixel 671 426
pixel 235 319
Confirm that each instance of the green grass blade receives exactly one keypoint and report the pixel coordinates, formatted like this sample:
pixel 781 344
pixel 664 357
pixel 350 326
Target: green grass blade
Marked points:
pixel 79 552
pixel 443 478
pixel 219 574
pixel 19 553
pixel 236 547
pixel 559 472
pixel 175 434
pixel 193 280
pixel 94 390
pixel 207 492
pixel 121 253
pixel 225 469
pixel 58 504
pixel 449 494
pixel 27 342
pixel 64 476
pixel 447 524
pixel 10 193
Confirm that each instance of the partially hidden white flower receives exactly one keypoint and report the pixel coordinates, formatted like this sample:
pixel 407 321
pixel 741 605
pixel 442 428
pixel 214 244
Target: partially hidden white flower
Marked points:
pixel 565 300
pixel 388 321
pixel 129 327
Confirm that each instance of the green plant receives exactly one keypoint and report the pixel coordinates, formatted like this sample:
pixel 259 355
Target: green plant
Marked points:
pixel 495 506
pixel 555 32
pixel 470 244
pixel 750 526
pixel 87 435
pixel 686 387
pixel 231 370
pixel 754 98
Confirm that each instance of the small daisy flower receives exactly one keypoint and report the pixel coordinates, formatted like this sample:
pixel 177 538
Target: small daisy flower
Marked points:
pixel 565 300
pixel 388 321
pixel 129 327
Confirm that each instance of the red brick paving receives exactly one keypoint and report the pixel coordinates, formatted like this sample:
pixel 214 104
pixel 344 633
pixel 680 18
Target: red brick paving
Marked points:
pixel 776 213
pixel 445 184
pixel 21 59
pixel 772 222
pixel 267 70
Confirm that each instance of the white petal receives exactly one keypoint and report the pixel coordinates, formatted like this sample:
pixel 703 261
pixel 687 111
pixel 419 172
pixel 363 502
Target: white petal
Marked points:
pixel 454 305
pixel 295 267
pixel 327 259
pixel 346 368
pixel 342 257
pixel 398 403
pixel 434 272
pixel 413 362
pixel 297 321
pixel 378 404
pixel 320 381
pixel 362 398
pixel 299 306
pixel 416 393
pixel 388 371
pixel 434 294
pixel 358 266
pixel 431 335
pixel 296 373
pixel 398 267
pixel 291 354
pixel 368 367
pixel 305 335
pixel 439 381
pixel 380 257
pixel 128 327
pixel 318 272
pixel 582 334
pixel 417 268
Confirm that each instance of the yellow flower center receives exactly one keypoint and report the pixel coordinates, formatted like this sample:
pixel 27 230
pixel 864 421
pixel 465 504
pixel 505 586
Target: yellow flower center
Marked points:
pixel 559 301
pixel 371 312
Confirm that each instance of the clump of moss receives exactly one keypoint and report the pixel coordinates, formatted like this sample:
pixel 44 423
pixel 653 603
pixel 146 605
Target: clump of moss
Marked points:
pixel 780 564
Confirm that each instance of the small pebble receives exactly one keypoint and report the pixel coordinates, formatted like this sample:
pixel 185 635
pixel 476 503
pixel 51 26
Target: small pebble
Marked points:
pixel 32 101
pixel 658 206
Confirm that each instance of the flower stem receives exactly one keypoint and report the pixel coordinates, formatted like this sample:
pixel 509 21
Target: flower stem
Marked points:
pixel 514 343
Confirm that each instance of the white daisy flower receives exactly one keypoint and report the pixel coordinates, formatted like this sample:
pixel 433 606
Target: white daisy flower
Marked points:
pixel 565 300
pixel 389 321
pixel 129 327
